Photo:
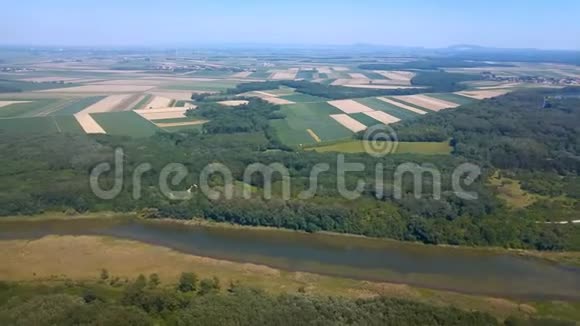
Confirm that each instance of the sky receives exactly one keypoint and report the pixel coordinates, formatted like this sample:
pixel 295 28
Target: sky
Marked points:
pixel 553 24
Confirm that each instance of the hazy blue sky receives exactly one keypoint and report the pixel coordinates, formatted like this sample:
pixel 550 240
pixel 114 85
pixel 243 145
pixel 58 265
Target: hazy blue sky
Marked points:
pixel 436 23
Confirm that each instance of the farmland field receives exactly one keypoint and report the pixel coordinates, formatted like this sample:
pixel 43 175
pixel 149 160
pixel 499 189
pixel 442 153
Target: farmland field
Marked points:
pixel 126 123
pixel 27 109
pixel 393 110
pixel 78 105
pixel 315 116
pixel 451 97
pixel 40 125
pixel 300 98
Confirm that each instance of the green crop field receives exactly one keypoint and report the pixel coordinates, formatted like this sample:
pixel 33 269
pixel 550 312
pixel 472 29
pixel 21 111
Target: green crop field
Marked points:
pixel 364 119
pixel 305 74
pixel 126 123
pixel 373 75
pixel 376 104
pixel 36 125
pixel 28 109
pixel 67 124
pixel 358 146
pixel 451 97
pixel 15 86
pixel 78 105
pixel 314 116
pixel 300 98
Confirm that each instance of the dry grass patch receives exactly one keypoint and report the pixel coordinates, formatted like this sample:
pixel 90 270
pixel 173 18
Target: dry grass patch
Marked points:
pixel 382 117
pixel 401 105
pixel 348 122
pixel 484 94
pixel 350 106
pixel 427 102
pixel 324 70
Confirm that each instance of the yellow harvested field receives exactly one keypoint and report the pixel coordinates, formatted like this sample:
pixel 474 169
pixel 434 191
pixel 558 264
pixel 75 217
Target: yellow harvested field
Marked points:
pixel 284 75
pixel 375 86
pixel 356 75
pixel 234 102
pixel 313 135
pixel 108 104
pixel 242 74
pixel 350 106
pixel 427 102
pixel 403 77
pixel 158 102
pixel 348 122
pixel 484 94
pixel 382 117
pixel 6 103
pixel 324 70
pixel 162 113
pixel 401 105
pixel 179 124
pixel 89 125
pixel 179 96
pixel 265 93
pixel 100 89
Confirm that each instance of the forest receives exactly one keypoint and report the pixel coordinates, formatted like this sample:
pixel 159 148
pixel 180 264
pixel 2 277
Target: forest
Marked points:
pixel 147 300
pixel 46 173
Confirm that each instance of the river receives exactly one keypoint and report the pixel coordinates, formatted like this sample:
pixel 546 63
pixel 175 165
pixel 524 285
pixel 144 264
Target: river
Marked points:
pixel 456 269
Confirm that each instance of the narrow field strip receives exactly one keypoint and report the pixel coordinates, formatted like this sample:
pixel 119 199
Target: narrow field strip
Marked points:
pixel 382 117
pixel 357 75
pixel 233 102
pixel 485 94
pixel 265 93
pixel 89 125
pixel 179 124
pixel 427 102
pixel 107 104
pixel 378 86
pixel 313 135
pixel 100 89
pixel 401 105
pixel 7 103
pixel 277 100
pixel 349 106
pixel 348 122
pixel 162 113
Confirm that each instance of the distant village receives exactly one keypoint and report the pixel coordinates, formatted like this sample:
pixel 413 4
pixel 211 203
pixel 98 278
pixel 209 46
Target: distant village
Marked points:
pixel 562 81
